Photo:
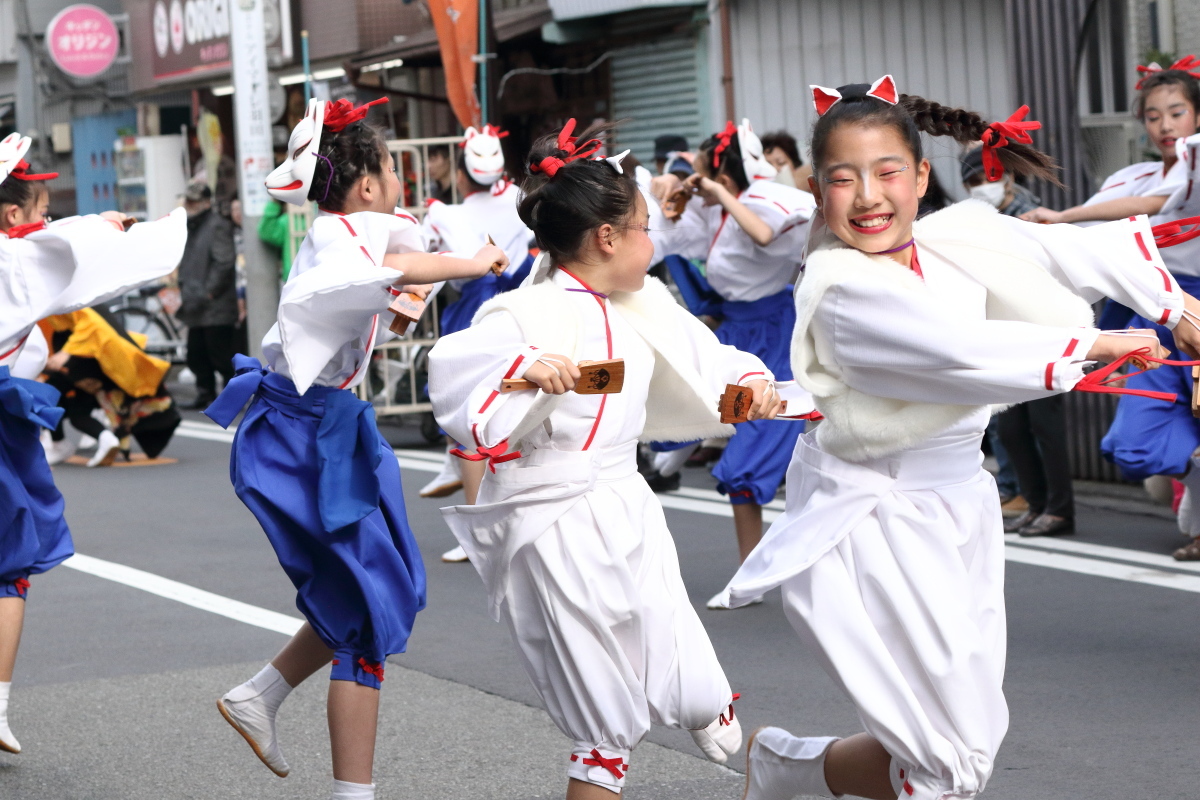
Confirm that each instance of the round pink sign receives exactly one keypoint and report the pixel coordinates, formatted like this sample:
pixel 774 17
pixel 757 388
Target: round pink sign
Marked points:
pixel 82 40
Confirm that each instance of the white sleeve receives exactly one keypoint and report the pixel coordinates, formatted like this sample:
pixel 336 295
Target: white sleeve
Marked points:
pixel 781 212
pixel 909 348
pixel 465 372
pixel 694 232
pixel 1115 259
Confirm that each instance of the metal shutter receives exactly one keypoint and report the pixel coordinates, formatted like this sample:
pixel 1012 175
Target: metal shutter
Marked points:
pixel 657 88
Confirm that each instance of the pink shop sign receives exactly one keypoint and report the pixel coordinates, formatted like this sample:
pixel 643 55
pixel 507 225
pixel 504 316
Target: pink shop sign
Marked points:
pixel 82 40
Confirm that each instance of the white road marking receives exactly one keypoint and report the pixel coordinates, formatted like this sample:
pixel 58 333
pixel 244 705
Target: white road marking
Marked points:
pixel 188 595
pixel 1063 554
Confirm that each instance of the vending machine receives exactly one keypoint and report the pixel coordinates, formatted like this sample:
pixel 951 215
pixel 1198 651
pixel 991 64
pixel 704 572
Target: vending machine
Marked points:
pixel 152 174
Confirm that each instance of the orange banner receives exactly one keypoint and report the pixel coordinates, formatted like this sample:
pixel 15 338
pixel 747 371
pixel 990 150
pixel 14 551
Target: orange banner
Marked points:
pixel 457 26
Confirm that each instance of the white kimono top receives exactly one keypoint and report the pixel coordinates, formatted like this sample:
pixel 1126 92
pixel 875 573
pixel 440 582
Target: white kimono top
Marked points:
pixel 332 308
pixel 464 228
pixel 1144 179
pixel 75 263
pixel 737 268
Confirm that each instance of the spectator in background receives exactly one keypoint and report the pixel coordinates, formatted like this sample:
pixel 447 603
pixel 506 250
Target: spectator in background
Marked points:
pixel 671 155
pixel 780 149
pixel 208 290
pixel 273 231
pixel 441 174
pixel 1005 194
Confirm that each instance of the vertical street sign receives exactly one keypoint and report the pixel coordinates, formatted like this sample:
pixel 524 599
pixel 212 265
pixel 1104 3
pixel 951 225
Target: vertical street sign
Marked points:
pixel 255 161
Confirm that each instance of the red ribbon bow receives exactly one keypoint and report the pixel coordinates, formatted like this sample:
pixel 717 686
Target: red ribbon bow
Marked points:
pixel 1100 382
pixel 1185 64
pixel 999 134
pixel 613 765
pixel 494 455
pixel 724 138
pixel 569 145
pixel 342 113
pixel 371 668
pixel 1172 233
pixel 21 172
pixel 21 585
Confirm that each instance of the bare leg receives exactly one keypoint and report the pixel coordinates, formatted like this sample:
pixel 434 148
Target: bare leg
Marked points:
pixel 12 618
pixel 582 790
pixel 747 521
pixel 858 765
pixel 303 655
pixel 472 472
pixel 353 714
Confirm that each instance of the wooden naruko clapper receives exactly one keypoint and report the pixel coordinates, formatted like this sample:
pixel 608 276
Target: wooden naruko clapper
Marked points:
pixel 595 377
pixel 735 403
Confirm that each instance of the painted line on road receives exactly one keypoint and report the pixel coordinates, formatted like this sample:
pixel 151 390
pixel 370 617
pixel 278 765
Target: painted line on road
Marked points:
pixel 1080 557
pixel 188 595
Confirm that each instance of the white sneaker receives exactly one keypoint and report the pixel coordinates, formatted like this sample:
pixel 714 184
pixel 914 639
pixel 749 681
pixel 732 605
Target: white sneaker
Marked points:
pixel 249 717
pixel 455 556
pixel 722 738
pixel 720 602
pixel 8 742
pixel 107 448
pixel 87 442
pixel 1188 516
pixel 447 482
pixel 780 766
pixel 57 452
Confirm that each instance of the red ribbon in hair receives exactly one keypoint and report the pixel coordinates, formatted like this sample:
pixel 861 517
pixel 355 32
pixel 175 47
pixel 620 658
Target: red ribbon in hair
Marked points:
pixel 724 138
pixel 1100 382
pixel 1173 233
pixel 568 144
pixel 342 113
pixel 999 134
pixel 1185 64
pixel 21 172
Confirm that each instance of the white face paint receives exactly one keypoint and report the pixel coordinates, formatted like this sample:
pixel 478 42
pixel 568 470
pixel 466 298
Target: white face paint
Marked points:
pixel 990 193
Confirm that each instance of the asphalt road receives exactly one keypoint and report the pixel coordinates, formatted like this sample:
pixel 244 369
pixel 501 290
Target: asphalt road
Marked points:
pixel 115 685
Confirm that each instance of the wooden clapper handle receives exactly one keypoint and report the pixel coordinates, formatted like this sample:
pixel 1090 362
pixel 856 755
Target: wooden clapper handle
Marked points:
pixel 497 267
pixel 1196 391
pixel 735 403
pixel 408 308
pixel 595 377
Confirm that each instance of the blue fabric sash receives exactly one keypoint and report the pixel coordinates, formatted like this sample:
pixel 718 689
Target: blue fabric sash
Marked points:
pixel 347 438
pixel 30 400
pixel 763 308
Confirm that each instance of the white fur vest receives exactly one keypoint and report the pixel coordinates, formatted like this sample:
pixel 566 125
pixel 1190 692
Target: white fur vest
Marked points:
pixel 860 426
pixel 679 409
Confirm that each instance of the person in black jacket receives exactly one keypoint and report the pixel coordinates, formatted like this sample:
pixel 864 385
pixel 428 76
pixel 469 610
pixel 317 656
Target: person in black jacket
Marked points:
pixel 208 288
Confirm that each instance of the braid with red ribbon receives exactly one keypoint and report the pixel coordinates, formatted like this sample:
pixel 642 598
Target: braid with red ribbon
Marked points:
pixel 1015 129
pixel 568 144
pixel 723 140
pixel 341 114
pixel 1186 64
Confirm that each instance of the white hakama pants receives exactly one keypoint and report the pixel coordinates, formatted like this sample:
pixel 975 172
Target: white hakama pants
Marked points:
pixel 604 627
pixel 906 613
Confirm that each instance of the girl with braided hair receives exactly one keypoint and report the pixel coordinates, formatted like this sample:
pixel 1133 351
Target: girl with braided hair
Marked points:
pixel 308 460
pixel 570 542
pixel 890 552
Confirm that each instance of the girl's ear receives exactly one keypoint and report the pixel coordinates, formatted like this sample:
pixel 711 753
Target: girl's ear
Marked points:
pixel 814 186
pixel 605 236
pixel 10 215
pixel 923 177
pixel 365 189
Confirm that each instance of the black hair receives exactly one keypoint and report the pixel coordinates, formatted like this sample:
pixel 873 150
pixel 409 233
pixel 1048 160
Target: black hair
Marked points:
pixel 1168 77
pixel 728 161
pixel 22 194
pixel 785 142
pixel 913 116
pixel 358 149
pixel 582 195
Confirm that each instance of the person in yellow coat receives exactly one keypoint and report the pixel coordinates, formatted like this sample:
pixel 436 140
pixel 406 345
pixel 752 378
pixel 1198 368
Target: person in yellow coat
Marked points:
pixel 96 363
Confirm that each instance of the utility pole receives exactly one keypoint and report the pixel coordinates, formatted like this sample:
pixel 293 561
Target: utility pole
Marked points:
pixel 255 161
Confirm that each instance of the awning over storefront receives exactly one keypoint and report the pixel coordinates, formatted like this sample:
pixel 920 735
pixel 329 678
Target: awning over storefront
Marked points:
pixel 510 23
pixel 578 9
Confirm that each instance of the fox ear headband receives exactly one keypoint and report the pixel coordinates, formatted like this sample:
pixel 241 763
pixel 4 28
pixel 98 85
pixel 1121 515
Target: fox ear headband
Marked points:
pixel 750 148
pixel 1016 129
pixel 12 160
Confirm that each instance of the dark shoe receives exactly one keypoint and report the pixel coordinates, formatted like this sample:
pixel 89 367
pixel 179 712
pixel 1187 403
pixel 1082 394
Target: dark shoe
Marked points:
pixel 659 483
pixel 1048 525
pixel 201 402
pixel 1015 524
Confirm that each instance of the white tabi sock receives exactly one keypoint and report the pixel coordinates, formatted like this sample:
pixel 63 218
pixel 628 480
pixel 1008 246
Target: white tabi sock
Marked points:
pixel 1189 507
pixel 251 709
pixel 344 790
pixel 781 766
pixel 8 742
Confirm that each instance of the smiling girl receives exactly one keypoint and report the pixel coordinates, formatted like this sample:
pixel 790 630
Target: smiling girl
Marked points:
pixel 890 552
pixel 1167 104
pixel 570 542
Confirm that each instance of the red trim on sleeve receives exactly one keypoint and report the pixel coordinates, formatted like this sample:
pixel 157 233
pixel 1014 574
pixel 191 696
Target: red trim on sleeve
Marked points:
pixel 346 222
pixel 512 370
pixel 1050 376
pixel 747 375
pixel 1071 347
pixel 15 348
pixel 365 253
pixel 1115 185
pixel 603 397
pixel 1148 174
pixel 1166 278
pixel 495 393
pixel 1165 318
pixel 721 227
pixel 409 217
pixel 1142 244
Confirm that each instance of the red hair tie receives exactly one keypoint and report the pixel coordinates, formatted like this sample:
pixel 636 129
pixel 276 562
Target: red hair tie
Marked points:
pixel 1185 64
pixel 342 113
pixel 725 137
pixel 1173 233
pixel 21 172
pixel 1000 134
pixel 568 144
